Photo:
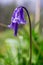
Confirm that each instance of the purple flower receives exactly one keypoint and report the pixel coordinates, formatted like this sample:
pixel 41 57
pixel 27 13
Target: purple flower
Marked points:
pixel 16 19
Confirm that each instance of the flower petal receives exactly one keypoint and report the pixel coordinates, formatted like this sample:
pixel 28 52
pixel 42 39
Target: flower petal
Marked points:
pixel 16 29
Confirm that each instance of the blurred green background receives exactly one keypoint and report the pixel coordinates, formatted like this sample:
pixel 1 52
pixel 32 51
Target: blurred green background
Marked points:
pixel 16 50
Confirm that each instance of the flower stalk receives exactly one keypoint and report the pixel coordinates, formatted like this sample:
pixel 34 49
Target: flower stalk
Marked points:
pixel 30 35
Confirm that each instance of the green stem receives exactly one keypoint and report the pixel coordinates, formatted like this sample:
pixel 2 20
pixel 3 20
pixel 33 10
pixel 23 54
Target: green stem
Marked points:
pixel 30 34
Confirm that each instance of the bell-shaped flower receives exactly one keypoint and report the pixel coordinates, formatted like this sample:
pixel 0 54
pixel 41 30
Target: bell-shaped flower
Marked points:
pixel 16 19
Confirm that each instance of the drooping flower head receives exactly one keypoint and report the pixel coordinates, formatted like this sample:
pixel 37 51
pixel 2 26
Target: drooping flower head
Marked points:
pixel 16 19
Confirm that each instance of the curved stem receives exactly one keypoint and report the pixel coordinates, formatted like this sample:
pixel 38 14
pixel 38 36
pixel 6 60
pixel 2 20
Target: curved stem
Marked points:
pixel 30 34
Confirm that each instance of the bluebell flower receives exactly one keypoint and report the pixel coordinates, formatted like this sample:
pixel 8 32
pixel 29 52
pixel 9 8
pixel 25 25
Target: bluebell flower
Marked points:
pixel 16 19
